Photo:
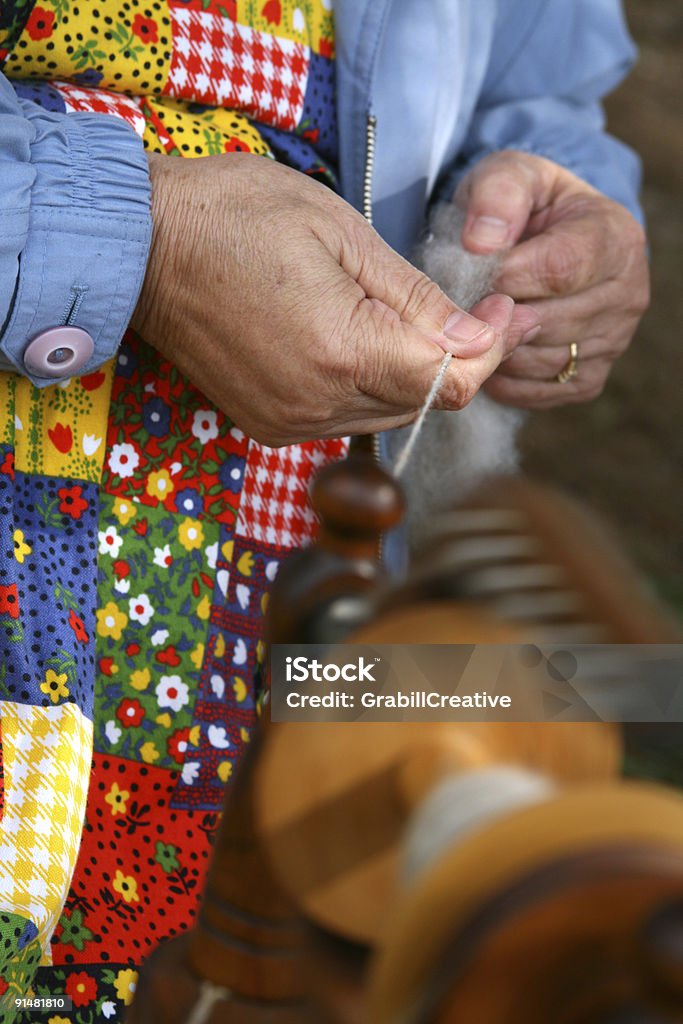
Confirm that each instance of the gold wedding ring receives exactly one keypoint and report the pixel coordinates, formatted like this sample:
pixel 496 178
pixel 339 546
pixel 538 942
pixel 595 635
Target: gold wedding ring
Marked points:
pixel 571 370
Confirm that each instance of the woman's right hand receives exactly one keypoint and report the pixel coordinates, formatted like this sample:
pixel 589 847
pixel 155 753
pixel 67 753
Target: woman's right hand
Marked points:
pixel 287 310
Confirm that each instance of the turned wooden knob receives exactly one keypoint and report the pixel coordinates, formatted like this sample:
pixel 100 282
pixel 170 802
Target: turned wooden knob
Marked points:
pixel 325 591
pixel 356 499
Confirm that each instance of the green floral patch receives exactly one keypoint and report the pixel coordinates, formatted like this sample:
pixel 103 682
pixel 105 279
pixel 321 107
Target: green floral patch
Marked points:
pixel 74 932
pixel 166 857
pixel 156 580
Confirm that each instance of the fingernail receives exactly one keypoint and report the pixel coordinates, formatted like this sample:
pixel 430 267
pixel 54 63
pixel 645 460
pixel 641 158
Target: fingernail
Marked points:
pixel 531 334
pixel 463 328
pixel 489 232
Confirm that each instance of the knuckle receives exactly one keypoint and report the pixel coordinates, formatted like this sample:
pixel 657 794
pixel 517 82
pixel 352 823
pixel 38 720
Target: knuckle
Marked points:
pixel 421 294
pixel 457 392
pixel 558 266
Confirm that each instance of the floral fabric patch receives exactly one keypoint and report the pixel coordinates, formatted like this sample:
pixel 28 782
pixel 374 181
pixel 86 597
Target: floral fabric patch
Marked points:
pixel 135 884
pixel 57 431
pixel 152 623
pixel 167 446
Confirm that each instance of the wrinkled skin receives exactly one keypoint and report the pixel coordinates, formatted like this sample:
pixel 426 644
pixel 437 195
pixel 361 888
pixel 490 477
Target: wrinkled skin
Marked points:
pixel 577 257
pixel 289 312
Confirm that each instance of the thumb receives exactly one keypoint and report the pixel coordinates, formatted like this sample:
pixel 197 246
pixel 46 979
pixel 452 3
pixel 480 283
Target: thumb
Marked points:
pixel 499 195
pixel 399 362
pixel 396 285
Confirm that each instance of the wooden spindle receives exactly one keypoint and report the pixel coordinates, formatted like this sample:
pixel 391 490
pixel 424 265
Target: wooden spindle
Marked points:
pixel 325 591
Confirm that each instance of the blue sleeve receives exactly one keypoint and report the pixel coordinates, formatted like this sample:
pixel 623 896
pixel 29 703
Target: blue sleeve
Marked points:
pixel 551 62
pixel 75 226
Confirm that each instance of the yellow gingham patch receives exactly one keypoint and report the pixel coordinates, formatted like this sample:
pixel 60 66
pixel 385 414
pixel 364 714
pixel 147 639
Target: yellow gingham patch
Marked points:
pixel 47 754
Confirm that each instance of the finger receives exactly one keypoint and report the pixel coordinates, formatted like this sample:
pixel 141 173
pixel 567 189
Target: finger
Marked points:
pixel 543 363
pixel 500 194
pixel 539 395
pixel 464 377
pixel 602 311
pixel 398 362
pixel 579 251
pixel 391 281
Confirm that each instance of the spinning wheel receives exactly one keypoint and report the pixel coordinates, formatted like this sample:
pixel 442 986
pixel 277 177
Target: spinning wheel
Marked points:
pixel 542 887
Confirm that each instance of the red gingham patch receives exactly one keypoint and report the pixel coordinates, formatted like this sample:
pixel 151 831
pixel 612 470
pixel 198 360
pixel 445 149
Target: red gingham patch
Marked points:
pixel 100 101
pixel 275 507
pixel 217 61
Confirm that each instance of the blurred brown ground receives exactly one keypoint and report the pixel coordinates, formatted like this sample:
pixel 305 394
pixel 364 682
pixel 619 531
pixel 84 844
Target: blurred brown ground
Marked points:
pixel 623 454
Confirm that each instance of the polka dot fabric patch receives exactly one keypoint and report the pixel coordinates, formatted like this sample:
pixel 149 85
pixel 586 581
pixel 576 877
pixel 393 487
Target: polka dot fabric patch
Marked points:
pixel 48 588
pixel 115 44
pixel 191 129
pixel 137 877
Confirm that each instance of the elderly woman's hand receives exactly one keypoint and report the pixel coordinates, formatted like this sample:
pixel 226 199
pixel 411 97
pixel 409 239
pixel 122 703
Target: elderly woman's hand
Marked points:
pixel 577 257
pixel 278 300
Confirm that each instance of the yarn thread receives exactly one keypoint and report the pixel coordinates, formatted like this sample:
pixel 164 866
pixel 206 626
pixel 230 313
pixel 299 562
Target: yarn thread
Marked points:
pixel 413 436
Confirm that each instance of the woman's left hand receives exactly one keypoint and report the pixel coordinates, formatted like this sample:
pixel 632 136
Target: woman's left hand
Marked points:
pixel 574 255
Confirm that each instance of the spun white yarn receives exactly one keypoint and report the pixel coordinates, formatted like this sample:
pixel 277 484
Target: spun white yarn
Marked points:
pixel 444 455
pixel 209 995
pixel 460 805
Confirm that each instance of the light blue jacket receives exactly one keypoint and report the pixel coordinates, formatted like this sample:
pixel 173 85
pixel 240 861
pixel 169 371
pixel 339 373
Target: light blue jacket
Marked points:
pixel 445 81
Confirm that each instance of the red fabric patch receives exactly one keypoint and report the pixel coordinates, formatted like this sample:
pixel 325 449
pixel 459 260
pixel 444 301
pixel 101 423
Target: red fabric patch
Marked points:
pixel 140 870
pixel 275 507
pixel 217 61
pixel 101 101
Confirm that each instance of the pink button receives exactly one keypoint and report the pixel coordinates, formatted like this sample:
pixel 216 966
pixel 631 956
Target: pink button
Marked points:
pixel 58 352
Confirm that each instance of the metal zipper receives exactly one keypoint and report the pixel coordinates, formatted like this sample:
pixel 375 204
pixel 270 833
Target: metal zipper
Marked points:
pixel 370 136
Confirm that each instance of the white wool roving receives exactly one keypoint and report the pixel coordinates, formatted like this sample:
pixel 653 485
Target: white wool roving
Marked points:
pixel 455 451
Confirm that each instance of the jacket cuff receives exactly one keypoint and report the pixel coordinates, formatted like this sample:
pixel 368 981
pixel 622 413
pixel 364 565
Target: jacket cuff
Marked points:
pixel 88 239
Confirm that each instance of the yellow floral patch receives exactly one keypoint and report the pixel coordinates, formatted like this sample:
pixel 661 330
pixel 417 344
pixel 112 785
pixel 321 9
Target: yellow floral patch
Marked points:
pixel 310 22
pixel 21 548
pixel 121 46
pixel 126 887
pixel 191 534
pixel 111 621
pixel 124 510
pixel 54 685
pixel 61 430
pixel 125 983
pixel 159 484
pixel 117 799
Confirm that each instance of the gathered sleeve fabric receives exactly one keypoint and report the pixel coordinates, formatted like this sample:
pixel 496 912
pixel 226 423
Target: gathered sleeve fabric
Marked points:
pixel 75 227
